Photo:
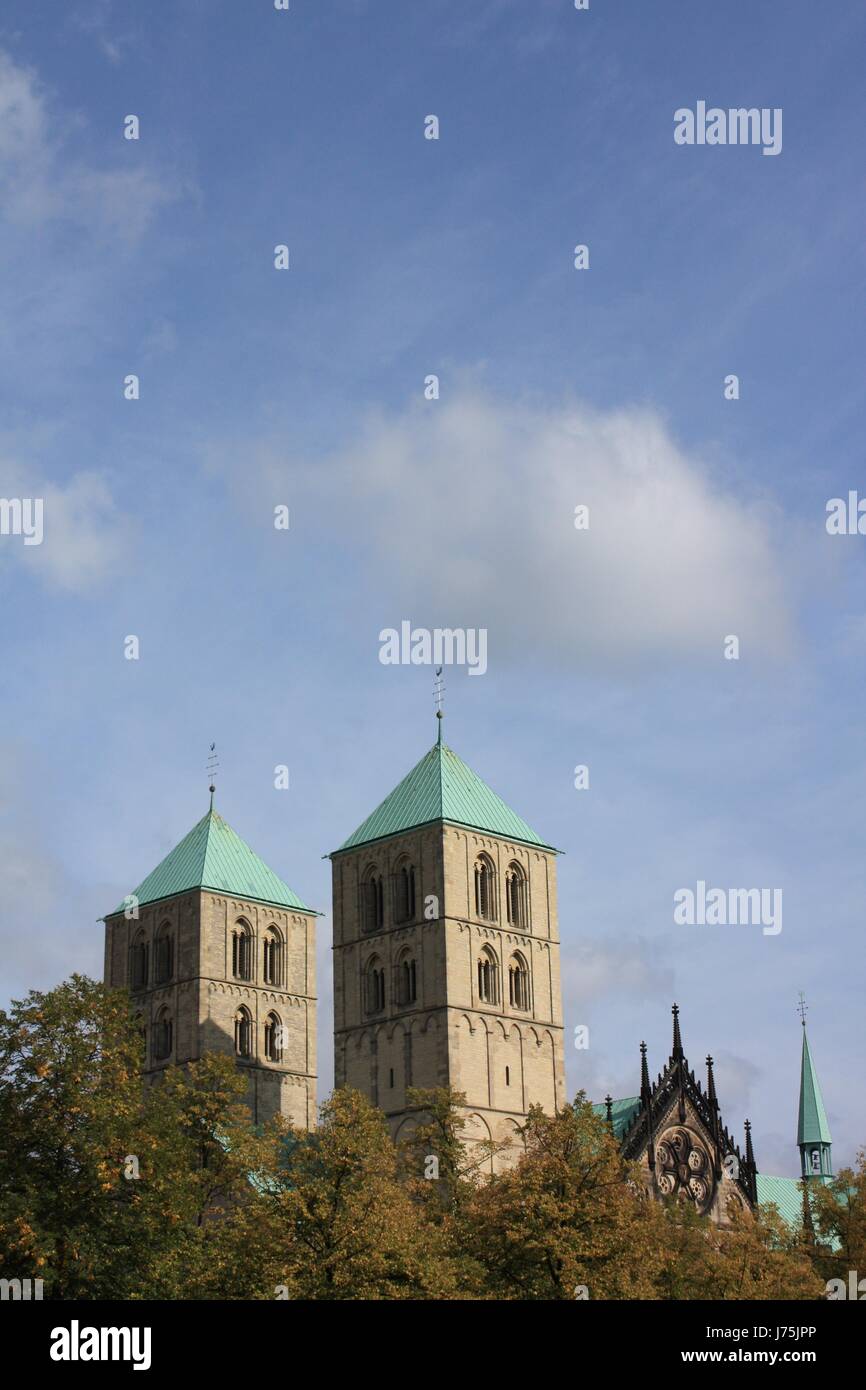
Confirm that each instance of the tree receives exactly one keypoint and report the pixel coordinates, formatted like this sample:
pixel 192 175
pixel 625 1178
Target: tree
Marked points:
pixel 756 1256
pixel 331 1220
pixel 111 1187
pixel 568 1220
pixel 437 1159
pixel 116 1187
pixel 70 1099
pixel 839 1220
pixel 200 1154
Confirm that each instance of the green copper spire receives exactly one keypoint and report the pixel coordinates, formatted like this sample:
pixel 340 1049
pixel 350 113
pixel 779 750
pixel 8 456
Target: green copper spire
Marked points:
pixel 813 1131
pixel 442 788
pixel 213 856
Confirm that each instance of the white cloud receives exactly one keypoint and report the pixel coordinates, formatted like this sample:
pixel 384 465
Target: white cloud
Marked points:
pixel 464 508
pixel 23 122
pixel 41 182
pixel 84 534
pixel 96 19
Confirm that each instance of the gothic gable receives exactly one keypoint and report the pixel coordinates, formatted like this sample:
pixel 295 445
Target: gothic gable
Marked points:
pixel 676 1132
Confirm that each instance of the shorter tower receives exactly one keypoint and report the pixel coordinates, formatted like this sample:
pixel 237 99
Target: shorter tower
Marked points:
pixel 219 955
pixel 813 1131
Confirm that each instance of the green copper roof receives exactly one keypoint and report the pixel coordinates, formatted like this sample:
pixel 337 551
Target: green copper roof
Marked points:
pixel 812 1126
pixel 784 1193
pixel 623 1112
pixel 213 856
pixel 442 787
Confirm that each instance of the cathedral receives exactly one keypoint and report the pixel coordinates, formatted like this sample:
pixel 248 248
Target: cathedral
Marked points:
pixel 446 973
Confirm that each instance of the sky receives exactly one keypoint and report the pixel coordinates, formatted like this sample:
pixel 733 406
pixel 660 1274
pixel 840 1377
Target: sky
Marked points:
pixel 559 387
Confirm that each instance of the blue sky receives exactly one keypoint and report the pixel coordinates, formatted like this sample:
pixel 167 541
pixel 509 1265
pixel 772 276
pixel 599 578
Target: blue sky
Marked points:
pixel 558 387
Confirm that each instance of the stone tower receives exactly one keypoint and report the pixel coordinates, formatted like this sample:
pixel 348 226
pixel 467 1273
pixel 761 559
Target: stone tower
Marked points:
pixel 446 952
pixel 219 956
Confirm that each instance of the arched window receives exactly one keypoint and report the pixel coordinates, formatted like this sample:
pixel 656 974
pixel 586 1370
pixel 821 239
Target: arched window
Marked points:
pixel 273 1038
pixel 273 957
pixel 164 954
pixel 242 951
pixel 488 977
pixel 138 961
pixel 374 983
pixel 372 902
pixel 407 979
pixel 485 889
pixel 515 895
pixel 404 893
pixel 243 1032
pixel 162 1036
pixel 518 982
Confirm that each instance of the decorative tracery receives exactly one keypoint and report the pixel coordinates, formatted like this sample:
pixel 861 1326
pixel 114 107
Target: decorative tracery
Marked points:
pixel 683 1167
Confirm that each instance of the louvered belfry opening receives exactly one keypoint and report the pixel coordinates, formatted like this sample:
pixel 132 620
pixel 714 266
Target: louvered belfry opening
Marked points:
pixel 273 1038
pixel 375 986
pixel 404 893
pixel 138 962
pixel 488 977
pixel 273 957
pixel 518 983
pixel 242 951
pixel 164 962
pixel 372 902
pixel 515 895
pixel 407 982
pixel 485 889
pixel 243 1033
pixel 162 1038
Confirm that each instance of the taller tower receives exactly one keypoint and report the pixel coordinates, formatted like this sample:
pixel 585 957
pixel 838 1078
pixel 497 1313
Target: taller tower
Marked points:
pixel 219 955
pixel 813 1131
pixel 446 952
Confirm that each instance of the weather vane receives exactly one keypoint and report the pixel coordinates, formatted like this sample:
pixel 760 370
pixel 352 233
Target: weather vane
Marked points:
pixel 438 688
pixel 802 1007
pixel 212 769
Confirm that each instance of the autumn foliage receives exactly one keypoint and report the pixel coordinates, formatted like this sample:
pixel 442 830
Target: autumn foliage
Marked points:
pixel 112 1189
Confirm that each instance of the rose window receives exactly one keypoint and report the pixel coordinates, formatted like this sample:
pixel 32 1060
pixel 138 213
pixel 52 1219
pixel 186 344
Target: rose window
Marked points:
pixel 683 1168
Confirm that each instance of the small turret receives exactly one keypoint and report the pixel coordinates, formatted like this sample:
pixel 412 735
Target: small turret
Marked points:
pixel 813 1131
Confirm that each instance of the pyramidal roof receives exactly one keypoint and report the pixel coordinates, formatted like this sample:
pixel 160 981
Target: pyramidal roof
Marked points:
pixel 442 788
pixel 213 856
pixel 812 1126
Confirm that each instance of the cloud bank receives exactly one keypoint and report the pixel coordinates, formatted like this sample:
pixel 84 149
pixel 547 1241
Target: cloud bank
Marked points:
pixel 463 514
